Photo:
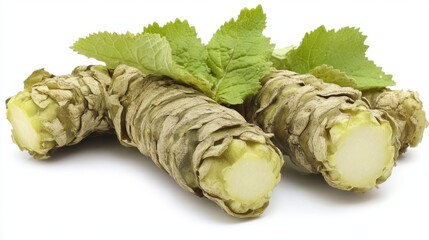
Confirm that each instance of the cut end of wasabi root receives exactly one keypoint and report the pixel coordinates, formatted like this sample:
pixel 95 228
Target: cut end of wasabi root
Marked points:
pixel 243 176
pixel 361 153
pixel 27 121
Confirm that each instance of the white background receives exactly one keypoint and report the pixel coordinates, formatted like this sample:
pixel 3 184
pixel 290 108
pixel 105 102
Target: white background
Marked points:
pixel 101 190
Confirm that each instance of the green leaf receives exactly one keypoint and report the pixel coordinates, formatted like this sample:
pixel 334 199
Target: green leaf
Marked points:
pixel 150 53
pixel 343 51
pixel 228 69
pixel 187 49
pixel 238 55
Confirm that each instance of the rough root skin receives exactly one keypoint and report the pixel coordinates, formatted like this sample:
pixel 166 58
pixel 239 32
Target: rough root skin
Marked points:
pixel 179 128
pixel 59 111
pixel 300 110
pixel 405 110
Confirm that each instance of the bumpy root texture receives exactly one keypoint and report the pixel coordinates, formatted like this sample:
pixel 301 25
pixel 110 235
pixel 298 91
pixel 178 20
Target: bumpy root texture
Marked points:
pixel 55 111
pixel 405 110
pixel 208 149
pixel 325 129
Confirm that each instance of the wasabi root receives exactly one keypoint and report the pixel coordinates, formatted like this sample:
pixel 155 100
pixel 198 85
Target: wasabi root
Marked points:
pixel 208 149
pixel 53 112
pixel 325 129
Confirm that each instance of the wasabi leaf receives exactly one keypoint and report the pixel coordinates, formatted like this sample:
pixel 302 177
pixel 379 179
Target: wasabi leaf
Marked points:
pixel 239 56
pixel 341 51
pixel 150 53
pixel 228 69
pixel 187 49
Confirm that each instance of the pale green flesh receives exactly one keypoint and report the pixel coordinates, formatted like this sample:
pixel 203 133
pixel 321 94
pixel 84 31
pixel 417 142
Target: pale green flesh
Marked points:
pixel 24 133
pixel 258 174
pixel 27 121
pixel 244 175
pixel 362 152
